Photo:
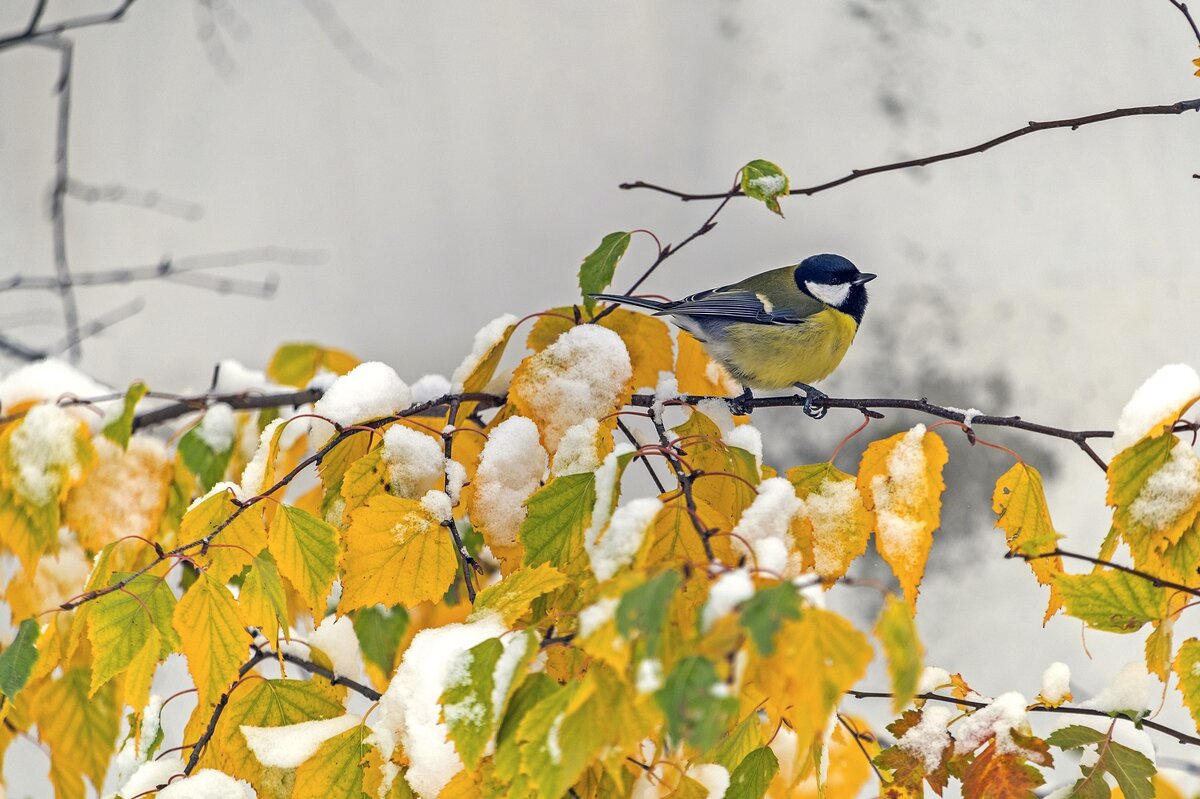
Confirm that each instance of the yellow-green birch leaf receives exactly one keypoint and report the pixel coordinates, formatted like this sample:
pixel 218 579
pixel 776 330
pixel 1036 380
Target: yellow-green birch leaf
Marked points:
pixel 367 477
pixel 1158 649
pixel 514 594
pixel 763 180
pixel 1020 503
pixel 214 638
pixel 296 364
pixel 336 770
pixel 265 703
pixel 753 775
pixel 559 513
pixel 473 705
pixel 120 429
pixel 261 599
pixel 232 548
pixel 306 551
pixel 1113 601
pixel 897 631
pixel 397 553
pixel 1187 668
pixel 647 339
pixel 120 625
pixel 1154 487
pixel 80 730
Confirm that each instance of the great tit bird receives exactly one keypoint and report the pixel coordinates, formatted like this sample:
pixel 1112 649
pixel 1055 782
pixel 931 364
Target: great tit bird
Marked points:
pixel 786 327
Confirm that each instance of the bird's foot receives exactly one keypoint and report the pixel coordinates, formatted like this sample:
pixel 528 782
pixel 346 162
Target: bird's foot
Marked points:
pixel 741 404
pixel 814 401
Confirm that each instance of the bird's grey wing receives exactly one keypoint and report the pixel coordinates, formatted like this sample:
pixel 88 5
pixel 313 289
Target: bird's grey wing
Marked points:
pixel 732 305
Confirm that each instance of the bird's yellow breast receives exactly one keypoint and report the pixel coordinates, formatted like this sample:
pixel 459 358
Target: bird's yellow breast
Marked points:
pixel 778 356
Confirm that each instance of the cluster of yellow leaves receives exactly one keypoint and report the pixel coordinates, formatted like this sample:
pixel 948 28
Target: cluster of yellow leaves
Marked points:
pixel 677 666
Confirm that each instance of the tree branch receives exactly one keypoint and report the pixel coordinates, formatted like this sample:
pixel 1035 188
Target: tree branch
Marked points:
pixel 1157 582
pixel 1074 123
pixel 1183 9
pixel 868 406
pixel 1181 737
pixel 33 33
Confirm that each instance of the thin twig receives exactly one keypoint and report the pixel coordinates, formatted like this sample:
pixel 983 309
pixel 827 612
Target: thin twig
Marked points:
pixel 870 406
pixel 1178 735
pixel 1157 582
pixel 684 478
pixel 1073 123
pixel 33 33
pixel 645 461
pixel 467 564
pixel 1183 9
pixel 666 251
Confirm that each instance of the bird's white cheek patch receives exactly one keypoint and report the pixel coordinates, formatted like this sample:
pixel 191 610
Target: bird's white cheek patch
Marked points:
pixel 830 295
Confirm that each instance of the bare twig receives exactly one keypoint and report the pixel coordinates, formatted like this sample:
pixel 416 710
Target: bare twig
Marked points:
pixel 869 408
pixel 150 200
pixel 1183 9
pixel 1073 123
pixel 1157 582
pixel 34 32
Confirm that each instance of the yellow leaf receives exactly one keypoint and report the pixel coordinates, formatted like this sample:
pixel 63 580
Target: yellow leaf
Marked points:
pixel 265 703
pixel 124 495
pixel 1158 648
pixel 817 657
pixel 365 478
pixel 648 340
pixel 397 553
pixel 306 550
pixel 297 364
pixel 1023 516
pixel 833 517
pixel 477 371
pixel 900 479
pixel 673 538
pixel 261 599
pixel 139 673
pixel 512 596
pixel 233 548
pixel 81 731
pixel 41 457
pixel 699 374
pixel 705 451
pixel 584 374
pixel 849 765
pixel 214 639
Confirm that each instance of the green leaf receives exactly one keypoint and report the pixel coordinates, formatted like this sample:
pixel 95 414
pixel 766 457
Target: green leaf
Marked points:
pixel 644 609
pixel 306 550
pixel 1074 737
pixel 1132 770
pixel 697 706
pixel 1114 601
pixel 763 613
pixel 380 631
pixel 469 704
pixel 121 623
pixel 120 429
pixel 596 271
pixel 559 513
pixel 897 632
pixel 765 181
pixel 17 659
pixel 335 770
pixel 200 459
pixel 753 775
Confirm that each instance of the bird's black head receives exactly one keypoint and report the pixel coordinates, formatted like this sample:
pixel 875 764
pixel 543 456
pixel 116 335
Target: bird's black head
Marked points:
pixel 835 281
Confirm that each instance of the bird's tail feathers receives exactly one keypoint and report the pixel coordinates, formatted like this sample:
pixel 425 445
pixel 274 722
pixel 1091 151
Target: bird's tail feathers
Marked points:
pixel 639 302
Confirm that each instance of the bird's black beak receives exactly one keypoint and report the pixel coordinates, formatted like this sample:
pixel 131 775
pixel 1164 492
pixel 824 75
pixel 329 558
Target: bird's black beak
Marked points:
pixel 865 277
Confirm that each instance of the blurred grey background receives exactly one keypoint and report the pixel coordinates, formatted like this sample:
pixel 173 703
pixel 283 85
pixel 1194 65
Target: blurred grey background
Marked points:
pixel 450 162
